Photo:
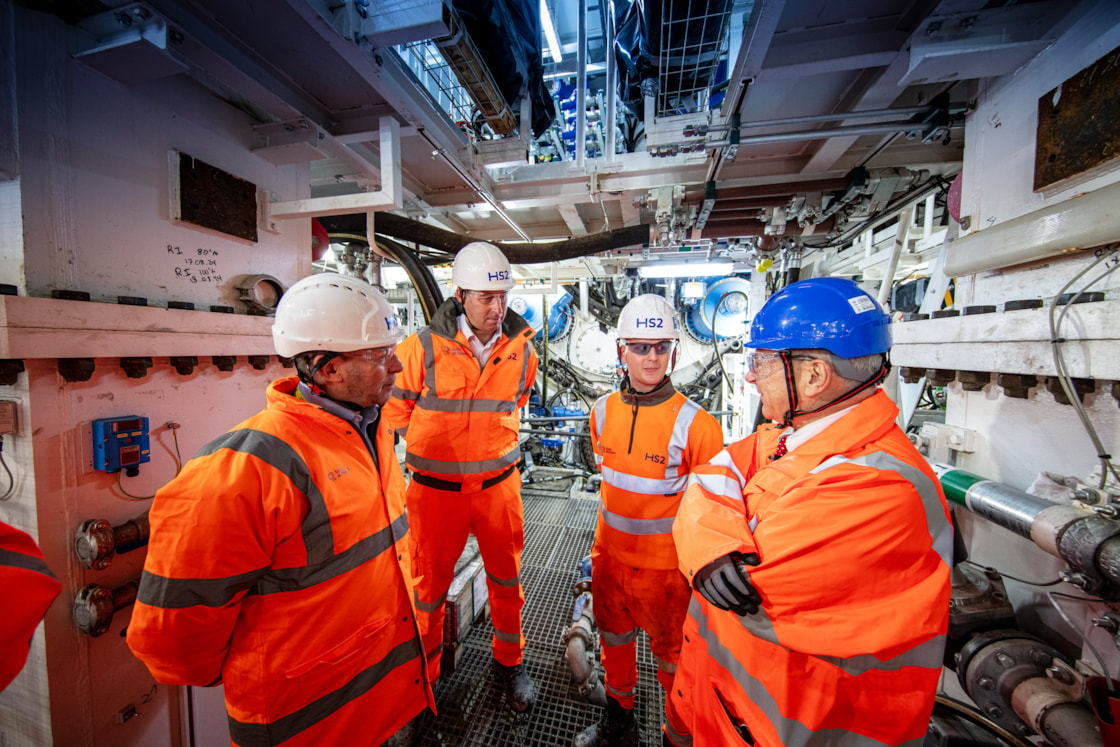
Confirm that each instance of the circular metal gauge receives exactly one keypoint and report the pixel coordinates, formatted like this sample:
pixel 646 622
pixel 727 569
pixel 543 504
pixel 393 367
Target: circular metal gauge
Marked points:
pixel 593 351
pixel 723 309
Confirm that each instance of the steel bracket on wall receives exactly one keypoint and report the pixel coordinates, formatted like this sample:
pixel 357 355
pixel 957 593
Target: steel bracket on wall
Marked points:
pixel 389 197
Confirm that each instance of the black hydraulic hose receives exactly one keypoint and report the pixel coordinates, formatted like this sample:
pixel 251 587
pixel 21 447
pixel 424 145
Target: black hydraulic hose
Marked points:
pixel 981 720
pixel 422 279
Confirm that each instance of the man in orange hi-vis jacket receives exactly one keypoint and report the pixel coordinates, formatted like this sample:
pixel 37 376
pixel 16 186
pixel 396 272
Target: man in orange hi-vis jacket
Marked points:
pixel 456 404
pixel 647 436
pixel 30 588
pixel 279 560
pixel 819 549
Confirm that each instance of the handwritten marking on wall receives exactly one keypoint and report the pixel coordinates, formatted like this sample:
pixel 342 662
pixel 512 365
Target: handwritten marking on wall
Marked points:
pixel 198 265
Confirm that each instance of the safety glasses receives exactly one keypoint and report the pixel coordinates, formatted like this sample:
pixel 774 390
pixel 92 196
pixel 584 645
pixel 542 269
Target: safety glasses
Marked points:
pixel 490 299
pixel 377 356
pixel 754 359
pixel 642 348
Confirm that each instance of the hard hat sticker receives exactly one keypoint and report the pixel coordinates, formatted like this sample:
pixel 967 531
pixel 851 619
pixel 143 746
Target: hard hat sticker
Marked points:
pixel 860 304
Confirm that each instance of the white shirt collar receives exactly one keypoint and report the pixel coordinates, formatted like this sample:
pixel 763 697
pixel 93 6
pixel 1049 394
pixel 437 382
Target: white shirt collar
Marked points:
pixel 480 350
pixel 804 433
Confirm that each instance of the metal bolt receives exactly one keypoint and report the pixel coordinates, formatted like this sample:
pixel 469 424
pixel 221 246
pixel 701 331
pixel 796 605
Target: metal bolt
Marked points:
pixel 1110 511
pixel 1109 623
pixel 1061 675
pixel 1041 658
pixel 993 710
pixel 986 682
pixel 123 19
pixel 966 222
pixel 1004 660
pixel 1074 578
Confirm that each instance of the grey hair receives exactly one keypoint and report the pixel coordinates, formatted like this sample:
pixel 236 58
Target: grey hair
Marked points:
pixel 305 364
pixel 861 369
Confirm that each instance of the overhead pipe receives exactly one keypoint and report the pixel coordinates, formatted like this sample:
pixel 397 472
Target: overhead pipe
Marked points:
pixel 721 229
pixel 581 83
pixel 885 128
pixel 1088 540
pixel 787 188
pixel 475 186
pixel 902 234
pixel 449 242
pixel 1090 219
pixel 612 83
pixel 840 116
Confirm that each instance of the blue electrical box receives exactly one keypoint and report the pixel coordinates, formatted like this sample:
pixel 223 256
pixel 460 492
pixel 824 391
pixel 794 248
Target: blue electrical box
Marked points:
pixel 120 443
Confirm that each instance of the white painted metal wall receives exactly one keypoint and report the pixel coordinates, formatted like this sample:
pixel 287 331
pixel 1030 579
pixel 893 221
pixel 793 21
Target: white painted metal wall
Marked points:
pixel 1017 439
pixel 88 208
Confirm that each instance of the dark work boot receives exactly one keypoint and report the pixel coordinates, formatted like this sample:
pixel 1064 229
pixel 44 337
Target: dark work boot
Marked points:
pixel 618 728
pixel 519 688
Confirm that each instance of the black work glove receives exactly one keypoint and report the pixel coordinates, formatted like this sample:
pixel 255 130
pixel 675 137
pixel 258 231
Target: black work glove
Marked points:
pixel 726 583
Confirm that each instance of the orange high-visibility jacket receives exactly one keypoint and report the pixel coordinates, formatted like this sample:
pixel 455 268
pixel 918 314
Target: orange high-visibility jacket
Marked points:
pixel 645 445
pixel 30 587
pixel 459 418
pixel 855 543
pixel 279 565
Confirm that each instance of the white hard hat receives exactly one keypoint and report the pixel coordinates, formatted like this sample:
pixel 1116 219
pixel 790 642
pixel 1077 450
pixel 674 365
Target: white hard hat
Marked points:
pixel 481 267
pixel 335 313
pixel 648 317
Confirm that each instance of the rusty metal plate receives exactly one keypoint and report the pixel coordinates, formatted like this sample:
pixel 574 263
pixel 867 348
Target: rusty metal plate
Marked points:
pixel 1077 123
pixel 214 199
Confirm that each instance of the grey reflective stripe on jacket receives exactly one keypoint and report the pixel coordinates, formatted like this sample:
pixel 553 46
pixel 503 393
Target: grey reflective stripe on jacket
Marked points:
pixel 274 451
pixel 792 733
pixel 13 559
pixel 441 467
pixel 264 735
pixel 669 484
pixel 940 530
pixel 927 654
pixel 322 562
pixel 428 400
pixel 727 486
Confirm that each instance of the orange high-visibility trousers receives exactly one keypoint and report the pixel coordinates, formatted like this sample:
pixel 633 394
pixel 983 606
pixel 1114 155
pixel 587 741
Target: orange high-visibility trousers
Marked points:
pixel 440 521
pixel 628 598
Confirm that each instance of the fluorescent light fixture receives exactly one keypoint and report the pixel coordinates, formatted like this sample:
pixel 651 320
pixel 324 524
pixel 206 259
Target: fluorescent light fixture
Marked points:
pixel 690 270
pixel 550 33
pixel 592 67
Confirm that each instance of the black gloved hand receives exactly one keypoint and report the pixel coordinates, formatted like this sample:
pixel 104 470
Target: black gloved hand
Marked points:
pixel 726 583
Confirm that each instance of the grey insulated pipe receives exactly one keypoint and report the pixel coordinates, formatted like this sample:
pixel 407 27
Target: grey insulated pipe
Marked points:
pixel 1088 540
pixel 579 636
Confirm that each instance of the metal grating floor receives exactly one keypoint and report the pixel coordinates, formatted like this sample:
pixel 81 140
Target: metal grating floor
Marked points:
pixel 471 701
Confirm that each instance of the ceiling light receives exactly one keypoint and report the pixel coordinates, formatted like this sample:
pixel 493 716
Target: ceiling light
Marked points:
pixel 550 33
pixel 690 270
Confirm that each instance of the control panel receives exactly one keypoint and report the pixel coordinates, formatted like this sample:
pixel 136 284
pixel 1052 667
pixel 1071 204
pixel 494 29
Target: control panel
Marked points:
pixel 120 444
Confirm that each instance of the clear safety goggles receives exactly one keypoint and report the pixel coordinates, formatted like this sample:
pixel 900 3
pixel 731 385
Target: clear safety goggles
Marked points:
pixel 376 356
pixel 642 348
pixel 490 299
pixel 754 360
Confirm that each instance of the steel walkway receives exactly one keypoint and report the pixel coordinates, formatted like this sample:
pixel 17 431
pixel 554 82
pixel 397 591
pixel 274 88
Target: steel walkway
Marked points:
pixel 472 703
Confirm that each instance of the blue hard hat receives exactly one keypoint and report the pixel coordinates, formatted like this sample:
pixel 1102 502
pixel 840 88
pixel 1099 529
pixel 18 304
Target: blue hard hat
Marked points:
pixel 830 313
